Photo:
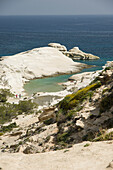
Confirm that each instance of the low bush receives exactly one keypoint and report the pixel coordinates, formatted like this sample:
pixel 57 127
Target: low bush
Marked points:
pixel 74 99
pixel 9 111
pixel 86 145
pixel 105 90
pixel 103 136
pixel 8 128
pixel 4 93
pixel 25 106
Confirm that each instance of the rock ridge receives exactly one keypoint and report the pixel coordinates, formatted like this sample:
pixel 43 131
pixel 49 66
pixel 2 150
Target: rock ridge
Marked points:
pixel 74 53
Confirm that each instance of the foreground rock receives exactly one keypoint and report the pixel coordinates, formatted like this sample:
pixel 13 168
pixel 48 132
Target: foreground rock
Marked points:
pixel 40 62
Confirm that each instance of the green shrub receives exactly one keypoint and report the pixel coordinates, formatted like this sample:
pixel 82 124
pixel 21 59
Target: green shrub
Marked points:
pixel 26 106
pixel 4 93
pixel 8 128
pixel 1 133
pixel 9 111
pixel 62 137
pixel 49 121
pixel 104 136
pixel 74 99
pixel 107 68
pixel 86 145
pixel 105 90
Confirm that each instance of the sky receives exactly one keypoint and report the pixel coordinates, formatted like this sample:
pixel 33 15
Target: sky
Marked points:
pixel 56 7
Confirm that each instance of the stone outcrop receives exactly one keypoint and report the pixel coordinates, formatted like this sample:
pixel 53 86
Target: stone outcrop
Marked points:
pixel 47 114
pixel 40 62
pixel 76 54
pixel 88 111
pixel 60 47
pixel 30 150
pixel 108 64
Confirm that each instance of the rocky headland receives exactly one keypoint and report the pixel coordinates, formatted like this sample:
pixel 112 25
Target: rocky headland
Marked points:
pixel 37 63
pixel 74 53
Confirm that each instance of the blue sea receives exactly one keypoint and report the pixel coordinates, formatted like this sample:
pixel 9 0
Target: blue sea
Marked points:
pixel 92 34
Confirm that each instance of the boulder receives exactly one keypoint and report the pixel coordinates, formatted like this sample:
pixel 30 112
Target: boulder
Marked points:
pixel 80 124
pixel 47 114
pixel 30 150
pixel 58 46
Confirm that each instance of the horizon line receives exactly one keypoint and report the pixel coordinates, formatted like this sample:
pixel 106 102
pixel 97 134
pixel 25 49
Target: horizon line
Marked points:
pixel 59 15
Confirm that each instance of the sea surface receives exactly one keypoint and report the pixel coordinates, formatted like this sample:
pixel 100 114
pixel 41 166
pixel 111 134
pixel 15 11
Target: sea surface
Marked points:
pixel 92 34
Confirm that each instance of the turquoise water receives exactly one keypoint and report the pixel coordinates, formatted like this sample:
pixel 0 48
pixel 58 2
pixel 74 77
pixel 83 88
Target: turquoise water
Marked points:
pixel 50 84
pixel 46 84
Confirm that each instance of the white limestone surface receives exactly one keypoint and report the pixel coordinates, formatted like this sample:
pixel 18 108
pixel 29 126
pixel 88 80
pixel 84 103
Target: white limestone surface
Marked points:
pixel 96 156
pixel 15 70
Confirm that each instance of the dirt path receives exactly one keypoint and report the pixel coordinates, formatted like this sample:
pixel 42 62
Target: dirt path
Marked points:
pixel 96 156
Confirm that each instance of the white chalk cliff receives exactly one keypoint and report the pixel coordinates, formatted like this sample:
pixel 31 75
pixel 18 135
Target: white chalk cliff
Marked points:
pixel 15 70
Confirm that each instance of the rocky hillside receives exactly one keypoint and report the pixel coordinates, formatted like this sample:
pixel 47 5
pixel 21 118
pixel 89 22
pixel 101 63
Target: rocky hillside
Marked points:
pixel 84 115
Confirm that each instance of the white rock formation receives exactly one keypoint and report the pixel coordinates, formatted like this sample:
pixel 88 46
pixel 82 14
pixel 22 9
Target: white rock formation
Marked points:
pixel 17 69
pixel 75 49
pixel 77 54
pixel 108 64
pixel 58 46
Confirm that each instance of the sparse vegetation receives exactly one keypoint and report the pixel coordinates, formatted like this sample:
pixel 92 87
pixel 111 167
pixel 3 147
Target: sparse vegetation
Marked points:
pixel 8 128
pixel 74 99
pixel 9 111
pixel 103 136
pixel 105 90
pixel 67 150
pixel 49 121
pixel 4 94
pixel 107 68
pixel 86 145
pixel 26 106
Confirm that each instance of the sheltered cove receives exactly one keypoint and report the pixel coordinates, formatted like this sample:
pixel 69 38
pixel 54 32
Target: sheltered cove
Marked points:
pixel 37 63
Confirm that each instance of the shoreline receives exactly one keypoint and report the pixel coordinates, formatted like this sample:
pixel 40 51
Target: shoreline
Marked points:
pixel 34 64
pixel 74 83
pixel 57 75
